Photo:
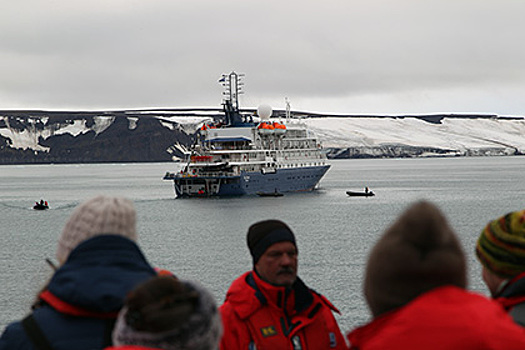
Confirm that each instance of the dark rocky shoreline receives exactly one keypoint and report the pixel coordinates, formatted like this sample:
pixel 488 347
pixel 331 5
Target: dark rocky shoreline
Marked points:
pixel 149 136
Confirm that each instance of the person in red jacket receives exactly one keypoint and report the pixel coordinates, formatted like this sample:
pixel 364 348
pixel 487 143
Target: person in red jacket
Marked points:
pixel 270 307
pixel 165 313
pixel 415 284
pixel 501 251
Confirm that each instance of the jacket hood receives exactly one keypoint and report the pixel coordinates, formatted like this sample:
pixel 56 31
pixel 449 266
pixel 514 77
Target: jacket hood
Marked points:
pixel 99 272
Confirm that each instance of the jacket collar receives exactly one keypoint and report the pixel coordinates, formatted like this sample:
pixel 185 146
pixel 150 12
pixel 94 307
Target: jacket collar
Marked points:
pixel 294 299
pixel 513 287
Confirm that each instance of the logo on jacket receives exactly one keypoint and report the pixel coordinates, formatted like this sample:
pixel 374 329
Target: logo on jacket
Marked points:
pixel 268 331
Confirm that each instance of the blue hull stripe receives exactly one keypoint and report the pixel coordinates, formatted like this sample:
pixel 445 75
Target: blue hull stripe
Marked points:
pixel 282 180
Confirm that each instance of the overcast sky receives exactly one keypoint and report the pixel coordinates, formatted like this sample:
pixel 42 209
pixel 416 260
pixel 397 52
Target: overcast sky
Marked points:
pixel 337 56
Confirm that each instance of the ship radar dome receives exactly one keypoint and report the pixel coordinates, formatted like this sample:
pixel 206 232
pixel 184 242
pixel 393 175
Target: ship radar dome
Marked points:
pixel 264 112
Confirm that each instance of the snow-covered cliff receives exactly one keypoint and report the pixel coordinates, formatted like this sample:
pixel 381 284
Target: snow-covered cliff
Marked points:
pixel 421 136
pixel 163 135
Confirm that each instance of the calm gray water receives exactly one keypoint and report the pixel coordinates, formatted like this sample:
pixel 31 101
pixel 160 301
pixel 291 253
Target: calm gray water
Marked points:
pixel 204 239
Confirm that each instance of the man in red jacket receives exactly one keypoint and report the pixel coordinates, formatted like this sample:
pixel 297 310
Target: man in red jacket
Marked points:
pixel 270 307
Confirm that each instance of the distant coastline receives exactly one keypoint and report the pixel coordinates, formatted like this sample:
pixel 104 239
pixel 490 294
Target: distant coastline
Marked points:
pixel 163 134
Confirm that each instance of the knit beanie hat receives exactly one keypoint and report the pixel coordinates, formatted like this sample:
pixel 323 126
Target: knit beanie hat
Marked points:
pixel 501 245
pixel 418 253
pixel 97 216
pixel 166 313
pixel 263 234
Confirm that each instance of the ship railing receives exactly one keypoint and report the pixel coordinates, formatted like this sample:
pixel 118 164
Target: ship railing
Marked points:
pixel 202 173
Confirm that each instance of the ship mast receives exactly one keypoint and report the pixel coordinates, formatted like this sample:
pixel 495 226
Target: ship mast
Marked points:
pixel 233 85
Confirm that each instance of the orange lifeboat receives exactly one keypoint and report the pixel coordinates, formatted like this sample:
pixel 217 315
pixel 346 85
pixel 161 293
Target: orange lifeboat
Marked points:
pixel 279 128
pixel 205 127
pixel 265 128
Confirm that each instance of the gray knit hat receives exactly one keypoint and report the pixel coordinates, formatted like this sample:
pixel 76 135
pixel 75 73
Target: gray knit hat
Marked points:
pixel 97 216
pixel 418 253
pixel 170 314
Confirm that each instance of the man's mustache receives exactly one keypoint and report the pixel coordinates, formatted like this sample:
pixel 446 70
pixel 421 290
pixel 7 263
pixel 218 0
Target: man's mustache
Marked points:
pixel 286 270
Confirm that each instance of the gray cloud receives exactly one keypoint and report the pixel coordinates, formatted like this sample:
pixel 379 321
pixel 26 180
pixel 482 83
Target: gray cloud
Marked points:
pixel 373 56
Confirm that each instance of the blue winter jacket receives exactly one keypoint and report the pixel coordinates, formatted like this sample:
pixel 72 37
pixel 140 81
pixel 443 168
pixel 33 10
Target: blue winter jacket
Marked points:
pixel 97 275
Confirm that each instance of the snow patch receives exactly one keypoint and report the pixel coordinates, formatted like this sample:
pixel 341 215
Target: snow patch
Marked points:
pixel 102 123
pixel 188 125
pixel 76 128
pixel 132 123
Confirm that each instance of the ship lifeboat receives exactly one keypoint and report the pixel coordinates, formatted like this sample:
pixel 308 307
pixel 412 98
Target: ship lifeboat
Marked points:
pixel 201 158
pixel 279 128
pixel 265 128
pixel 205 127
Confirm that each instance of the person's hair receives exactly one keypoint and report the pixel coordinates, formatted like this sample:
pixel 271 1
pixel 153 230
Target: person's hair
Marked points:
pixel 161 304
pixel 170 314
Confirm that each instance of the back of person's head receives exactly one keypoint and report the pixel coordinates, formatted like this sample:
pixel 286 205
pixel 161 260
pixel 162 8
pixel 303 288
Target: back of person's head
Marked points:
pixel 417 253
pixel 100 215
pixel 501 245
pixel 167 313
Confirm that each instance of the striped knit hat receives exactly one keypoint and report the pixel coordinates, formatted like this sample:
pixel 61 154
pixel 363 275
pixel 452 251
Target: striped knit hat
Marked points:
pixel 501 245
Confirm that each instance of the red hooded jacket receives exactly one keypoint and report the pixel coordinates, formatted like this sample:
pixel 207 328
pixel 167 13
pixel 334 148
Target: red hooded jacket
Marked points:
pixel 259 315
pixel 444 318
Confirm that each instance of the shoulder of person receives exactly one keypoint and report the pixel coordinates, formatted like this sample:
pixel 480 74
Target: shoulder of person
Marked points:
pixel 325 301
pixel 14 337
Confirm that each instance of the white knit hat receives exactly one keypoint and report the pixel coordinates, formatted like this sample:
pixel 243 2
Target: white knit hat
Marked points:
pixel 97 216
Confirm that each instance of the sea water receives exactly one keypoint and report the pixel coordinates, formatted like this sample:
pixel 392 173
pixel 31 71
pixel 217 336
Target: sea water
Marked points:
pixel 205 239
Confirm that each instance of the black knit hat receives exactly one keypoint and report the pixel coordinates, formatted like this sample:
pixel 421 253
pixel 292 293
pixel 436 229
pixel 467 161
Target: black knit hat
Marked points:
pixel 263 234
pixel 418 253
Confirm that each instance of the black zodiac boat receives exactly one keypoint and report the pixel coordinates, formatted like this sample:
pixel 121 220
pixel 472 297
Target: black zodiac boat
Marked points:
pixel 365 193
pixel 41 206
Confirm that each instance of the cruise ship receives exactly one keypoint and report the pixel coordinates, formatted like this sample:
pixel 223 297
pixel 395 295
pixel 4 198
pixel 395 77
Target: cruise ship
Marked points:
pixel 250 155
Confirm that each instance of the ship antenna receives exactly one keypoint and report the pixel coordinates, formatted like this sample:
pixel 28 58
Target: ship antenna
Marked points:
pixel 287 109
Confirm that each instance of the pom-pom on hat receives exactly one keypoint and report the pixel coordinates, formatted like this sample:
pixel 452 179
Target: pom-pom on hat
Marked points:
pixel 263 234
pixel 417 253
pixel 170 314
pixel 501 245
pixel 97 216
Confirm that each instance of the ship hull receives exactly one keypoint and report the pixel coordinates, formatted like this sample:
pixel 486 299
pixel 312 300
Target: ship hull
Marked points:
pixel 250 183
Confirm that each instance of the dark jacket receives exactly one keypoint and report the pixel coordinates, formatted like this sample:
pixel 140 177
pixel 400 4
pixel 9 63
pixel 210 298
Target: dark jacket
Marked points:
pixel 84 295
pixel 259 314
pixel 444 318
pixel 512 297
